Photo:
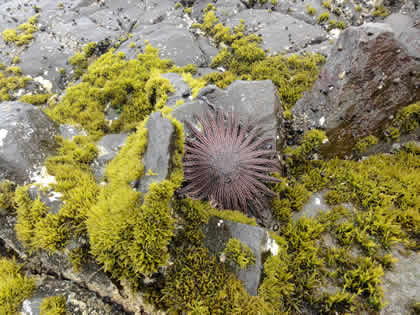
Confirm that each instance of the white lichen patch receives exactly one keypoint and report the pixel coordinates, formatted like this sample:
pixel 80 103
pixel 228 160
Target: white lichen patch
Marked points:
pixel 3 135
pixel 322 121
pixel 318 201
pixel 46 84
pixel 102 151
pixel 41 177
pixel 271 246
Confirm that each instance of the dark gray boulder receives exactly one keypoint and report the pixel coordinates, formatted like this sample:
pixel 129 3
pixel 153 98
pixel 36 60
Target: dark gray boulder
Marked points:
pixel 108 147
pixel 217 234
pixel 160 144
pixel 368 77
pixel 27 137
pixel 280 32
pixel 256 101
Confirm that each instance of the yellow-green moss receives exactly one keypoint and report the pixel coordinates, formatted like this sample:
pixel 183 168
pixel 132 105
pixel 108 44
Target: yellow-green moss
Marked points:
pixel 195 84
pixel 79 63
pixel 336 24
pixel 323 17
pixel 7 195
pixel 380 11
pixel 14 287
pixel 310 10
pixel 363 144
pixel 198 284
pixel 326 4
pixel 36 99
pixel 23 34
pixel 15 60
pixel 133 87
pixel 358 8
pixel 239 253
pixel 406 120
pixel 54 305
pixel 244 59
pixel 274 2
pixel 89 49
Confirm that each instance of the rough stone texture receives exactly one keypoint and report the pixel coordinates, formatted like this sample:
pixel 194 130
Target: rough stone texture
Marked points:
pixel 224 8
pixel 182 89
pixel 402 283
pixel 79 301
pixel 368 77
pixel 108 147
pixel 280 32
pixel 256 101
pixel 218 232
pixel 315 205
pixel 173 42
pixel 68 132
pixel 27 137
pixel 91 276
pixel 157 158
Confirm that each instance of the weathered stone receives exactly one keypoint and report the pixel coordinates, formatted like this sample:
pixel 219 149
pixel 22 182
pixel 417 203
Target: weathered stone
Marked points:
pixel 108 147
pixel 27 137
pixel 401 283
pixel 217 234
pixel 256 101
pixel 157 158
pixel 174 43
pixel 280 32
pixel 68 132
pixel 224 8
pixel 182 89
pixel 368 77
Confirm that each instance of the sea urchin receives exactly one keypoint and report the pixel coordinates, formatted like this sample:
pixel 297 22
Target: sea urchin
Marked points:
pixel 226 162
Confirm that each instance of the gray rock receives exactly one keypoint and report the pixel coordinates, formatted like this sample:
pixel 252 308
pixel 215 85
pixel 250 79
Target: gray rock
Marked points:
pixel 224 8
pixel 68 132
pixel 182 89
pixel 51 198
pixel 402 283
pixel 217 234
pixel 280 32
pixel 173 42
pixel 314 206
pixel 27 137
pixel 368 77
pixel 256 101
pixel 108 147
pixel 160 144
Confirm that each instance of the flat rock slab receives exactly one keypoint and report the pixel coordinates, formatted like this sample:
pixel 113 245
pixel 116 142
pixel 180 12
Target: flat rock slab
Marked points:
pixel 160 145
pixel 27 137
pixel 182 89
pixel 368 77
pixel 280 32
pixel 218 232
pixel 256 101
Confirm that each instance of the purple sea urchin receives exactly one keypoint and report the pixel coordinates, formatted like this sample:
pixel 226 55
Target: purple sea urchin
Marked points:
pixel 226 163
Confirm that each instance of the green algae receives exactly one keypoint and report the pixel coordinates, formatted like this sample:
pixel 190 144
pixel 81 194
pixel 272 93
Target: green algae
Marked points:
pixel 54 305
pixel 14 287
pixel 23 34
pixel 239 253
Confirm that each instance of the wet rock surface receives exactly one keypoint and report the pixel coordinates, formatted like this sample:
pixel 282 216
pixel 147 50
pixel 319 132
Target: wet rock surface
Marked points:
pixel 27 137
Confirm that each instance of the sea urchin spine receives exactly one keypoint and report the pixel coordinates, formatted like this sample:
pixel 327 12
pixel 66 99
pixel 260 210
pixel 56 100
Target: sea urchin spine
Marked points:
pixel 227 163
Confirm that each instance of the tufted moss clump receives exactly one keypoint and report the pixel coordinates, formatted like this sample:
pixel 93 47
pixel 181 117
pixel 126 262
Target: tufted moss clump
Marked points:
pixel 37 227
pixel 11 81
pixel 363 144
pixel 36 99
pixel 380 11
pixel 130 232
pixel 54 305
pixel 7 195
pixel 310 10
pixel 23 34
pixel 132 87
pixel 323 17
pixel 406 120
pixel 239 253
pixel 14 287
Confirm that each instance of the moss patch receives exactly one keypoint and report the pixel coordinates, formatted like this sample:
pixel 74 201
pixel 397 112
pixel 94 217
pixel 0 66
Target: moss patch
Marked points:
pixel 239 253
pixel 7 195
pixel 363 144
pixel 14 287
pixel 11 80
pixel 132 87
pixel 36 99
pixel 244 59
pixel 54 305
pixel 406 120
pixel 23 34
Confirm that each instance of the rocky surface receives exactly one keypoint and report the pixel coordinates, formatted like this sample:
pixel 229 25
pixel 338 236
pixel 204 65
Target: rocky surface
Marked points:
pixel 27 137
pixel 368 77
